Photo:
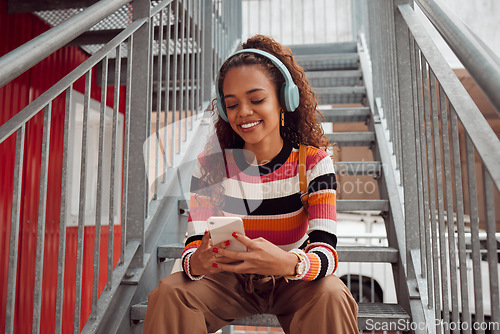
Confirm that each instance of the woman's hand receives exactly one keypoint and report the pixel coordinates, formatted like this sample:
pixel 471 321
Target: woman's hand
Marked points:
pixel 262 257
pixel 203 258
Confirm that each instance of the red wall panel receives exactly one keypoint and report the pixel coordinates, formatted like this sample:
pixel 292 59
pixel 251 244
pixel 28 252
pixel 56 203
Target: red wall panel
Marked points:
pixel 16 30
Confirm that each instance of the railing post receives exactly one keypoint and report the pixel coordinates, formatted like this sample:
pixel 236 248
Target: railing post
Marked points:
pixel 403 114
pixel 137 192
pixel 409 167
pixel 208 50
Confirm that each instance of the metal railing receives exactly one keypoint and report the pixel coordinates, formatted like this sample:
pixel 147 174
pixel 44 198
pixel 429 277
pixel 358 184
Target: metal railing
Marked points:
pixel 448 157
pixel 173 51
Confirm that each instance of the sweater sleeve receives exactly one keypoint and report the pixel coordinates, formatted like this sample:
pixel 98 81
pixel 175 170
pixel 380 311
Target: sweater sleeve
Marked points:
pixel 322 186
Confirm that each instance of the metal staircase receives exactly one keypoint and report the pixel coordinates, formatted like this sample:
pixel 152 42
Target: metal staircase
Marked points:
pixel 388 82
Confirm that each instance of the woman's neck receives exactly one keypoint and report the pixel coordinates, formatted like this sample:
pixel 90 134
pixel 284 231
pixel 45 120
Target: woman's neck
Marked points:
pixel 262 153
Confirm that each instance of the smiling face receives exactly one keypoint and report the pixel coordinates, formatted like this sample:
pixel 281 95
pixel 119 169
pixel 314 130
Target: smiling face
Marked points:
pixel 253 107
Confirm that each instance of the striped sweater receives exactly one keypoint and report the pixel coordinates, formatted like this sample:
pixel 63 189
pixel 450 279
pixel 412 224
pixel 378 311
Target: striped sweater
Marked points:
pixel 267 198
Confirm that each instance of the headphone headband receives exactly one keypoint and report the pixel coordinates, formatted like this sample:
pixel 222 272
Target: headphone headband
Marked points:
pixel 289 91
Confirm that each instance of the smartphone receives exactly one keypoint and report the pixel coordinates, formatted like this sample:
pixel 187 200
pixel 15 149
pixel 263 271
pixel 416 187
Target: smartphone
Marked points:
pixel 222 228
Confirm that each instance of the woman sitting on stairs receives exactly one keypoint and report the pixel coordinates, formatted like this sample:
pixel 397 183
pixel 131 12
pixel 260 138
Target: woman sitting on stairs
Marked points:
pixel 250 169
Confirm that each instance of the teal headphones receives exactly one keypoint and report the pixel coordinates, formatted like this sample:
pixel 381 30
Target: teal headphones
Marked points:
pixel 289 91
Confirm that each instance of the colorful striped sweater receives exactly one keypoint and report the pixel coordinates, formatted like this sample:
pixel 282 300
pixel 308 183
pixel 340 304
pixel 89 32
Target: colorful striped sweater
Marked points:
pixel 267 198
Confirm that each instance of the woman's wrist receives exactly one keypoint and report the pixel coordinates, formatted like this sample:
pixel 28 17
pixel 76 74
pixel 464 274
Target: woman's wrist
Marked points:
pixel 291 264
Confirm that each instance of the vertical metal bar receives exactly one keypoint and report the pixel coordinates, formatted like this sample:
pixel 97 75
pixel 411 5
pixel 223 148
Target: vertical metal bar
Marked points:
pixel 126 149
pixel 14 231
pixel 167 93
pixel 459 205
pixel 68 128
pixel 199 51
pixel 82 204
pixel 114 156
pixel 417 107
pixel 182 120
pixel 449 207
pixel 405 107
pixel 428 245
pixel 174 84
pixel 42 208
pixel 158 107
pixel 140 109
pixel 187 92
pixel 432 200
pixel 474 226
pixel 192 54
pixel 440 203
pixel 491 245
pixel 100 166
pixel 149 123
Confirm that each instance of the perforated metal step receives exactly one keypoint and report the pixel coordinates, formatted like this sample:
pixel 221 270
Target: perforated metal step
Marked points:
pixel 345 115
pixel 345 139
pixel 334 78
pixel 346 253
pixel 372 168
pixel 327 62
pixel 386 315
pixel 340 95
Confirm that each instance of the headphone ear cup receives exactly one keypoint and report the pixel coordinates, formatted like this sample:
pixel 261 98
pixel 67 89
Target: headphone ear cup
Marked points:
pixel 291 96
pixel 221 108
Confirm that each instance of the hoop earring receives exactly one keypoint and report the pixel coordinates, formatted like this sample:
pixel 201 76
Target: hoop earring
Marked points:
pixel 282 118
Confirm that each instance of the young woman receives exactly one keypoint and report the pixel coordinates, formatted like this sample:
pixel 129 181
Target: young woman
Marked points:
pixel 249 169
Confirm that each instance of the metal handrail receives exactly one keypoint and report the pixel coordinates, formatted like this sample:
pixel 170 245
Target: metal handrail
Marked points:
pixel 473 54
pixel 31 53
pixel 18 120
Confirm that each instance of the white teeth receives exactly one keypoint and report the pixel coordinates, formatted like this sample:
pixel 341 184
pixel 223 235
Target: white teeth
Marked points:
pixel 249 125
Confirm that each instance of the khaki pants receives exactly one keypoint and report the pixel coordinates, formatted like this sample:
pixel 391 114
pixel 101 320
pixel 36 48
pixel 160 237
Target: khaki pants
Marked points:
pixel 179 305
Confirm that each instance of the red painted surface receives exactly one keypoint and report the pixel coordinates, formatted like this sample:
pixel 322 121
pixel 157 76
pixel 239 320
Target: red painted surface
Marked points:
pixel 16 29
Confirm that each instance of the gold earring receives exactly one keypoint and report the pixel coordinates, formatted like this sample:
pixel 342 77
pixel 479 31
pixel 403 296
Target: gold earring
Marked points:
pixel 282 118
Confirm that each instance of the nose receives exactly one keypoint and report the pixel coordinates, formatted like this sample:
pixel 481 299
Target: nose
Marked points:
pixel 245 110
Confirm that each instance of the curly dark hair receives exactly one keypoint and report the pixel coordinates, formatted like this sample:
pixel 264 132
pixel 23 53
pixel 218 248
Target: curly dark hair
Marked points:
pixel 301 126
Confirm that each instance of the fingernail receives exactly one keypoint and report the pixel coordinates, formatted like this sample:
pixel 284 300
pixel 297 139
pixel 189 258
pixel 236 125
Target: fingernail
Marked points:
pixel 215 250
pixel 215 265
pixel 235 234
pixel 227 243
pixel 206 232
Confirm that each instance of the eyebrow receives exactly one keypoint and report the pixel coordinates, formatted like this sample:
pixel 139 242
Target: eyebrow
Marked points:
pixel 249 92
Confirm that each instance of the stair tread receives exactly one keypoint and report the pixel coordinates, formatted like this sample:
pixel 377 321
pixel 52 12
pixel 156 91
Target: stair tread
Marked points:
pixel 373 168
pixel 379 254
pixel 359 114
pixel 344 139
pixel 340 94
pixel 380 312
pixel 335 61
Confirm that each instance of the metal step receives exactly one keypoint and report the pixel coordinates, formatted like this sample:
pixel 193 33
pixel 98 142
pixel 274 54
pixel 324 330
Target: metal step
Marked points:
pixel 372 168
pixel 327 62
pixel 340 95
pixel 351 205
pixel 343 205
pixel 324 48
pixel 334 78
pixel 345 115
pixel 386 315
pixel 350 139
pixel 346 253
